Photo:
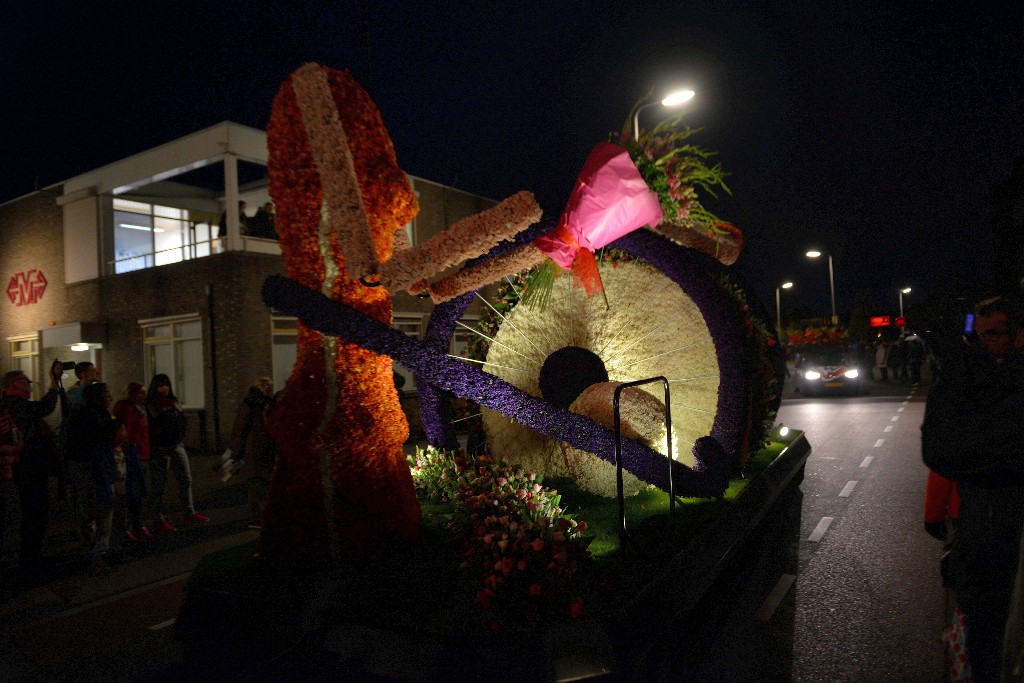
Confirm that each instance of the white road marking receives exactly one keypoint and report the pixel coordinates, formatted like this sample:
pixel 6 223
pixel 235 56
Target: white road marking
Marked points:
pixel 878 444
pixel 905 403
pixel 820 530
pixel 771 603
pixel 899 410
pixel 162 624
pixel 888 429
pixel 867 461
pixel 894 418
pixel 848 489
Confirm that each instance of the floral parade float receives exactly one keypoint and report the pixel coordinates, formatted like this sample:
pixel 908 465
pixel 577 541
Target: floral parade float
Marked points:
pixel 638 301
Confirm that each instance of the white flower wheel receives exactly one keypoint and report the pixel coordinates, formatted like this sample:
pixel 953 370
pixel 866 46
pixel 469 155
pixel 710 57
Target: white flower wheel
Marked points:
pixel 666 315
pixel 649 327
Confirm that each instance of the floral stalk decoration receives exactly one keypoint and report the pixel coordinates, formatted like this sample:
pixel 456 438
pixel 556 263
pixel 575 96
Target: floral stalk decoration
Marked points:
pixel 341 485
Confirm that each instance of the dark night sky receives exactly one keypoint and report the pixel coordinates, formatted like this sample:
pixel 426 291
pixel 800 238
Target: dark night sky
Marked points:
pixel 868 129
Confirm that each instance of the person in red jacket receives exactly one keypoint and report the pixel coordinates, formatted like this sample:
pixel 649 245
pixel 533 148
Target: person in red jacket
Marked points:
pixel 941 503
pixel 131 411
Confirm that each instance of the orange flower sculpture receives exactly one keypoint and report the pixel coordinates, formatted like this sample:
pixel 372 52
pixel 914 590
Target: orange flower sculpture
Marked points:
pixel 341 485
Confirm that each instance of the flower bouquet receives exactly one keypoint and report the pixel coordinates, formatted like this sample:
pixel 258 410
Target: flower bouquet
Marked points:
pixel 676 169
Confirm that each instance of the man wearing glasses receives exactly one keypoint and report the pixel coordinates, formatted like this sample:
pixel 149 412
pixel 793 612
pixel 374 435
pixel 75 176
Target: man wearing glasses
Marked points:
pixel 973 432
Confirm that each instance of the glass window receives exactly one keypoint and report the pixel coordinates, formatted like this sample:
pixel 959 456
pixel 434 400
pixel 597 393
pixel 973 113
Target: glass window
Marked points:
pixel 283 331
pixel 462 337
pixel 175 349
pixel 147 235
pixel 25 357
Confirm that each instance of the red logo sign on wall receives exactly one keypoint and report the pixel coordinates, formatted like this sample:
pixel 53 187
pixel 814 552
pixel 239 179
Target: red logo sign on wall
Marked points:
pixel 26 287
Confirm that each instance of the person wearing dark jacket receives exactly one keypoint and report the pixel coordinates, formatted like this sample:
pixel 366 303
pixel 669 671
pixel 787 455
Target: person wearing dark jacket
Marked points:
pixel 36 460
pixel 251 443
pixel 89 458
pixel 972 434
pixel 167 453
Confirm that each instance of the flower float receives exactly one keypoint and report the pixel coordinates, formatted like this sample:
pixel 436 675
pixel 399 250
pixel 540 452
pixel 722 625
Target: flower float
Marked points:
pixel 699 336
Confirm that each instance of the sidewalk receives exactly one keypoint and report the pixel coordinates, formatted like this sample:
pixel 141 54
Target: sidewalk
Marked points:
pixel 66 585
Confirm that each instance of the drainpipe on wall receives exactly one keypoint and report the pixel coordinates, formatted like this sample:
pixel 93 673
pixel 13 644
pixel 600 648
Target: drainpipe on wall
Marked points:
pixel 217 446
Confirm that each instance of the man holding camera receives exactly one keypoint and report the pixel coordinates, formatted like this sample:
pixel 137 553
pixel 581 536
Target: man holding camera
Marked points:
pixel 32 470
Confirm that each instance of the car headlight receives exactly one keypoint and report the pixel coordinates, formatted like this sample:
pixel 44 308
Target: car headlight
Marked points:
pixel 852 374
pixel 812 374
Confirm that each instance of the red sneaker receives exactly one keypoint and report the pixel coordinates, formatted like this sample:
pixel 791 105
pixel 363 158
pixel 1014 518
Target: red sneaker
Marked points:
pixel 196 518
pixel 132 538
pixel 164 527
pixel 145 534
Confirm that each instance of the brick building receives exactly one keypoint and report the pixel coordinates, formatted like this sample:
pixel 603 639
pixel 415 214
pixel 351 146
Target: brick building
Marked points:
pixel 124 266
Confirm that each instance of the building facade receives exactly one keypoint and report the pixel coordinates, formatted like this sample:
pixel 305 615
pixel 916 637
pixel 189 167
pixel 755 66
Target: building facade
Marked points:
pixel 139 267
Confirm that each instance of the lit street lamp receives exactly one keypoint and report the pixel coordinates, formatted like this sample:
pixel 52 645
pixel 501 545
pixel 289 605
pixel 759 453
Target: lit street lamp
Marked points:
pixel 673 100
pixel 905 290
pixel 778 307
pixel 814 253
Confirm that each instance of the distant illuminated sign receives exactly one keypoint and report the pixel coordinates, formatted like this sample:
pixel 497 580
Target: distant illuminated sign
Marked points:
pixel 880 321
pixel 26 287
pixel 901 321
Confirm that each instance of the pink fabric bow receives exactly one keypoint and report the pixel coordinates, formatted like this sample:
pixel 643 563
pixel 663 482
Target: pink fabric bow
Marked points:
pixel 610 199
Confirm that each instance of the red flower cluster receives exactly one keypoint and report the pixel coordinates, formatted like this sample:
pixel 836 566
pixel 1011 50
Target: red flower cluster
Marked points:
pixel 513 532
pixel 819 336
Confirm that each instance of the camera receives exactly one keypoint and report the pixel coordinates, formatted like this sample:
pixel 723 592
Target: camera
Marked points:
pixel 64 364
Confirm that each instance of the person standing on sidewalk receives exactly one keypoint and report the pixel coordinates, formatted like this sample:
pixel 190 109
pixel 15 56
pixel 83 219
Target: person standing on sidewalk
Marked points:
pixel 251 442
pixel 972 434
pixel 167 453
pixel 37 457
pixel 89 458
pixel 131 411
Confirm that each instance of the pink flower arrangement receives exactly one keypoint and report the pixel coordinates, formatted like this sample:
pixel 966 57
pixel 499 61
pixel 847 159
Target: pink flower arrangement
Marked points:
pixel 512 532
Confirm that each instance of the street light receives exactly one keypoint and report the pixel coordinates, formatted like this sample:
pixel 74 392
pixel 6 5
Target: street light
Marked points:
pixel 673 100
pixel 778 307
pixel 814 253
pixel 905 290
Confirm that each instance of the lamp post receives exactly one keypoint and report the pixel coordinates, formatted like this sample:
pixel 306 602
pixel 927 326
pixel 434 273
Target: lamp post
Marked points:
pixel 778 306
pixel 905 290
pixel 814 253
pixel 672 100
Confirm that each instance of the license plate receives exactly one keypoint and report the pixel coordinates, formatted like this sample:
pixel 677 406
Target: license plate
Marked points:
pixel 833 385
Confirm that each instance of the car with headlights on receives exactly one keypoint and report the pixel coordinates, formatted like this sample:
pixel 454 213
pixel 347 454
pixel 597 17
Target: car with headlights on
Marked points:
pixel 828 371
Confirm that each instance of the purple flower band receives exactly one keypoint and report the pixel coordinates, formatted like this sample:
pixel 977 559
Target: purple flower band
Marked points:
pixel 709 478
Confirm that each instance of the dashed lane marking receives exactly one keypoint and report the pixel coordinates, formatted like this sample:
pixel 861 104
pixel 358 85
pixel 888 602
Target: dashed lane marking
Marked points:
pixel 878 444
pixel 820 530
pixel 888 429
pixel 774 599
pixel 867 461
pixel 894 418
pixel 899 410
pixel 162 624
pixel 848 489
